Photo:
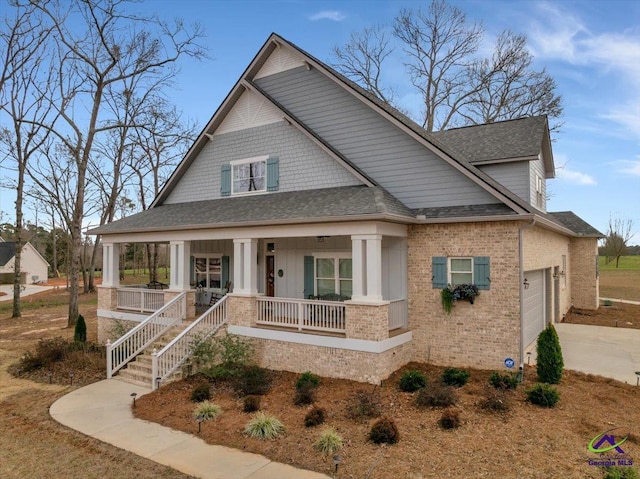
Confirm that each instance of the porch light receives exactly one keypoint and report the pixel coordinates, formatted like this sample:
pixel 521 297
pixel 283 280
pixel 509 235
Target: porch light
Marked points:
pixel 320 239
pixel 526 283
pixel 133 395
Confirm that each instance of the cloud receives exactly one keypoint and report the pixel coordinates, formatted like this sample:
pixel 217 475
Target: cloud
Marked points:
pixel 629 167
pixel 575 177
pixel 334 15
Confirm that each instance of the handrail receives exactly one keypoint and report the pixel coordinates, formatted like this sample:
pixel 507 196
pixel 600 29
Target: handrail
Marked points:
pixel 302 314
pixel 133 342
pixel 140 299
pixel 171 357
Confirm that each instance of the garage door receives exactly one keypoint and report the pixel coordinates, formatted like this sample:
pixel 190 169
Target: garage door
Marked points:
pixel 534 306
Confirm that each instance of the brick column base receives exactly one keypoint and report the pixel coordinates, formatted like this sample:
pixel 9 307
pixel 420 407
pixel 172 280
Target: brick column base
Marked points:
pixel 367 321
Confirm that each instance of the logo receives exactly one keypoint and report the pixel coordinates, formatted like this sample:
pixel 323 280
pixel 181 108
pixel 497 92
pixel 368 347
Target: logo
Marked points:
pixel 604 442
pixel 509 363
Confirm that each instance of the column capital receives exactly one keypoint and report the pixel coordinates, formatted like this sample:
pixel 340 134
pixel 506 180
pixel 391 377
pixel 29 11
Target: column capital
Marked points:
pixel 368 237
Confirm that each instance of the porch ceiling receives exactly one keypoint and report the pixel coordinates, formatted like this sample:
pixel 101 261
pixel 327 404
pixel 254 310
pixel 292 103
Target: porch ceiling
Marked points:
pixel 346 203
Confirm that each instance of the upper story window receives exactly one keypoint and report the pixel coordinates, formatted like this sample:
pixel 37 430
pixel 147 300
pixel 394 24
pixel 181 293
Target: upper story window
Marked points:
pixel 539 192
pixel 250 176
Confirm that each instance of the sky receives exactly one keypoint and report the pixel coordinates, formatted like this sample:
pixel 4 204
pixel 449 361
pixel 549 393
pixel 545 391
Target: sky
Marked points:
pixel 590 47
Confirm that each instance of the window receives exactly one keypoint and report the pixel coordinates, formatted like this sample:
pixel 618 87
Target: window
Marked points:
pixel 208 271
pixel 460 271
pixel 539 192
pixel 249 175
pixel 333 274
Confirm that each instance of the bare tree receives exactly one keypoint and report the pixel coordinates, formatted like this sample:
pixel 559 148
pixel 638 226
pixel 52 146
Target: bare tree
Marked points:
pixel 97 45
pixel 440 54
pixel 27 109
pixel 619 233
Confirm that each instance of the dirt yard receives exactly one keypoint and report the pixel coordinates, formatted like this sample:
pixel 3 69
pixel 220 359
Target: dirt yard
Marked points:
pixel 618 315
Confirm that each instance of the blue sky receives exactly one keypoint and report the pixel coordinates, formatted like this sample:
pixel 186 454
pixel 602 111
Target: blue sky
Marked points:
pixel 590 47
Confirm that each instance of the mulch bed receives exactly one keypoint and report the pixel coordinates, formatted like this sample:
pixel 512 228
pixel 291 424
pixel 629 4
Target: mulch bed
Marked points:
pixel 618 315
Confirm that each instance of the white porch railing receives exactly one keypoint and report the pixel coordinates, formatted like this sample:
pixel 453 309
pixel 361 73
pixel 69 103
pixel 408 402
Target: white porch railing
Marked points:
pixel 127 347
pixel 140 299
pixel 171 357
pixel 397 314
pixel 302 314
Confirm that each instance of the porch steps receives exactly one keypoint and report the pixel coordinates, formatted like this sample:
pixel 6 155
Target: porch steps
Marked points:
pixel 139 370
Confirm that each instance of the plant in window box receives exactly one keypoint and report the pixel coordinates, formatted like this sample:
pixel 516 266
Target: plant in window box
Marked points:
pixel 465 291
pixel 446 298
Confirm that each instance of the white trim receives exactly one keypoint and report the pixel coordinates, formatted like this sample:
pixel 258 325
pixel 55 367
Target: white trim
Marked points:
pixel 245 161
pixel 375 347
pixel 108 314
pixel 253 159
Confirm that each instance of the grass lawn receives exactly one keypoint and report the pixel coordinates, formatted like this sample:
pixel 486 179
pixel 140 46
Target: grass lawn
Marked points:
pixel 622 282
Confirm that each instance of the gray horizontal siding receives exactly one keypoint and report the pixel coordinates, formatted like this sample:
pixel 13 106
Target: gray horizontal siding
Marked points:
pixel 303 165
pixel 397 162
pixel 514 176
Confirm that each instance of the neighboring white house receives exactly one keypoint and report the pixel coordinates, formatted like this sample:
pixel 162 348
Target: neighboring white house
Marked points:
pixel 34 267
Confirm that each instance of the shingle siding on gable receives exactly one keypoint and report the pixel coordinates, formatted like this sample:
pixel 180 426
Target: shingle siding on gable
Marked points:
pixel 397 162
pixel 303 165
pixel 514 176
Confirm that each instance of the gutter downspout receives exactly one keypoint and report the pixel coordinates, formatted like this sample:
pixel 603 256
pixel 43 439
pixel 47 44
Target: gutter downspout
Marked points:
pixel 528 225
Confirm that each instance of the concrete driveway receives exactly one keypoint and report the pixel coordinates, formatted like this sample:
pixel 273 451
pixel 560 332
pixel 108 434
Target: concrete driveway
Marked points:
pixel 29 289
pixel 600 350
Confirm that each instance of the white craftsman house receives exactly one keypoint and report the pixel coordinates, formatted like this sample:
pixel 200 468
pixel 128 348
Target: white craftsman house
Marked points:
pixel 336 222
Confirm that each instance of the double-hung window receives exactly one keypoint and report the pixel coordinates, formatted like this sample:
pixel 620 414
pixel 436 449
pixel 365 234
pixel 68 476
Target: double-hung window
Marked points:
pixel 460 271
pixel 249 175
pixel 208 271
pixel 333 274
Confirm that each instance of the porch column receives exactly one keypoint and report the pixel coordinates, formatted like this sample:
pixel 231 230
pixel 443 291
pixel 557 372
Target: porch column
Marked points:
pixel 374 267
pixel 179 253
pixel 111 264
pixel 358 271
pixel 245 266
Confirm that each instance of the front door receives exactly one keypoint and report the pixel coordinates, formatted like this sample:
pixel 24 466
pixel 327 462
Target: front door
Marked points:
pixel 271 286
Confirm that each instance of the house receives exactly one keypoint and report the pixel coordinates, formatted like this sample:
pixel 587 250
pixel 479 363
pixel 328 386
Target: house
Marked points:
pixel 338 221
pixel 34 268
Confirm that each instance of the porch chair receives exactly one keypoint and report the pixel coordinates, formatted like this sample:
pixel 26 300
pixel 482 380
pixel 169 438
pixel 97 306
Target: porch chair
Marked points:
pixel 215 297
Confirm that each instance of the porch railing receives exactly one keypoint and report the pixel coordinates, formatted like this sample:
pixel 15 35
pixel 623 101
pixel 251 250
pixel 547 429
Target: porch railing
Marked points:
pixel 140 299
pixel 174 354
pixel 132 343
pixel 302 314
pixel 397 314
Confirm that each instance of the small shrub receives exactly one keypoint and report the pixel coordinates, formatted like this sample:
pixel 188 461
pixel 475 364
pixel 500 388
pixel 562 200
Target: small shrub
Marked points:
pixel 503 381
pixel 263 426
pixel 365 404
pixel 329 442
pixel 455 377
pixel 307 379
pixel 384 431
pixel 450 419
pixel 251 404
pixel 221 358
pixel 543 395
pixel 202 392
pixel 437 395
pixel 253 380
pixel 412 381
pixel 315 417
pixel 618 472
pixel 305 395
pixel 207 411
pixel 549 362
pixel 80 331
pixel 496 400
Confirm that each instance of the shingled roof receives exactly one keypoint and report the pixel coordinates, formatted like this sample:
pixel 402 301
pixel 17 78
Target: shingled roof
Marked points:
pixel 510 139
pixel 7 251
pixel 576 224
pixel 286 207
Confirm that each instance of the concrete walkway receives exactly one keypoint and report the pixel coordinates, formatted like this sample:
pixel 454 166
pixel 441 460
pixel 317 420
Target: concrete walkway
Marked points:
pixel 103 410
pixel 600 350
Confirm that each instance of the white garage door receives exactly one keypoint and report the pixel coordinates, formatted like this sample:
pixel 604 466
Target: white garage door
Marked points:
pixel 534 306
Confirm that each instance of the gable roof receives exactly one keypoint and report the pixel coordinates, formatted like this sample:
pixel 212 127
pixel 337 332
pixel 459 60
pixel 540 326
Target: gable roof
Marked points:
pixel 7 251
pixel 326 204
pixel 518 139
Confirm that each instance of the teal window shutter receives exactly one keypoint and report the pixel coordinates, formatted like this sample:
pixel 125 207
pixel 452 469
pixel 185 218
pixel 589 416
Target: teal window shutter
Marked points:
pixel 225 180
pixel 225 271
pixel 309 290
pixel 481 272
pixel 273 174
pixel 439 266
pixel 192 267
